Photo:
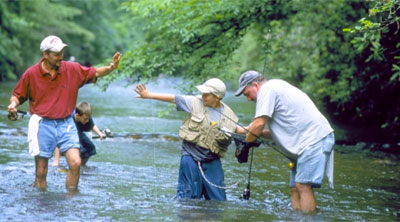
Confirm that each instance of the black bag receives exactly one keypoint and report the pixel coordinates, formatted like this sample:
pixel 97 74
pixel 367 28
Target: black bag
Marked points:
pixel 243 147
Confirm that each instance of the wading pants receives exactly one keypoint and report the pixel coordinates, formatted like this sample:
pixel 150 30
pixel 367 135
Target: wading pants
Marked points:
pixel 192 185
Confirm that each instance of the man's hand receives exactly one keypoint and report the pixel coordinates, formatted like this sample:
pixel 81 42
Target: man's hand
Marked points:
pixel 12 111
pixel 12 108
pixel 142 91
pixel 115 62
pixel 105 70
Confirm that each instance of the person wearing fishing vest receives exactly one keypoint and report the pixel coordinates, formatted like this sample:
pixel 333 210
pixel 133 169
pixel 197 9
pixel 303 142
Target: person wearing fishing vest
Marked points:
pixel 52 86
pixel 205 139
pixel 303 134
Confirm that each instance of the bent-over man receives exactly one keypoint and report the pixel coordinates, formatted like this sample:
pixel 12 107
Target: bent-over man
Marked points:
pixel 303 134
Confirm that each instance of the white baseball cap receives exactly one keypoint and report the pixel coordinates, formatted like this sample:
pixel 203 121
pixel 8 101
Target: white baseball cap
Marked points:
pixel 52 43
pixel 214 86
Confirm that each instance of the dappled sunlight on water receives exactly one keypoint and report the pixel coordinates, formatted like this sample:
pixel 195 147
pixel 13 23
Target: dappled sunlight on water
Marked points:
pixel 135 178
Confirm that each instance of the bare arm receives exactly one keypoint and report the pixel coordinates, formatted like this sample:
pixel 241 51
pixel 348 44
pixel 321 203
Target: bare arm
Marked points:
pixel 105 70
pixel 145 94
pixel 256 128
pixel 242 129
pixel 98 132
pixel 14 102
pixel 266 134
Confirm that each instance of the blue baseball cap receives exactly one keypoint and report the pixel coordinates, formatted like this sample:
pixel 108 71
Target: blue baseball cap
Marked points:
pixel 245 79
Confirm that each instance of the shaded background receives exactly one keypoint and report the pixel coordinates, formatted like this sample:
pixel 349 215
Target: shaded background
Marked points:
pixel 343 53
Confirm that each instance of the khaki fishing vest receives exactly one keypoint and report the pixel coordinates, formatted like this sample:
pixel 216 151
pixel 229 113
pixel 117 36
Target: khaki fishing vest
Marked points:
pixel 196 128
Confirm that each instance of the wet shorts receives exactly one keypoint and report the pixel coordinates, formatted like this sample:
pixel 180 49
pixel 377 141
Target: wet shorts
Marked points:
pixel 311 164
pixel 61 133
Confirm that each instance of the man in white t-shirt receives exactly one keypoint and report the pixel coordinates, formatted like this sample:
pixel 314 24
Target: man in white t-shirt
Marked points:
pixel 303 134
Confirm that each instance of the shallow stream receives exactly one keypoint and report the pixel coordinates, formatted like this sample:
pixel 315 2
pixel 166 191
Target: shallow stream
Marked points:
pixel 135 179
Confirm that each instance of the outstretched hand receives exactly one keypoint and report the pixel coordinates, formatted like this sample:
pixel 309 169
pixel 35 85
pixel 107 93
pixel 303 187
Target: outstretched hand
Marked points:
pixel 116 59
pixel 105 70
pixel 142 91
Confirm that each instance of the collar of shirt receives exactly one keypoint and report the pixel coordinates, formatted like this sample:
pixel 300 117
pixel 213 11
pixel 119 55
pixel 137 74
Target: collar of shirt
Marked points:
pixel 47 74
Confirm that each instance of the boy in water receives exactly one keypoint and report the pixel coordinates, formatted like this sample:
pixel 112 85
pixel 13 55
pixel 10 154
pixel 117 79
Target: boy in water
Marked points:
pixel 84 123
pixel 200 172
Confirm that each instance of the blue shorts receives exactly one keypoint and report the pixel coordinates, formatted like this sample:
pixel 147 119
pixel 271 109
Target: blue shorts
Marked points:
pixel 191 184
pixel 61 133
pixel 311 164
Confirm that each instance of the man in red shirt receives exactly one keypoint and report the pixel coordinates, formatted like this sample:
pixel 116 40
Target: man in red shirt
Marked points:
pixel 52 88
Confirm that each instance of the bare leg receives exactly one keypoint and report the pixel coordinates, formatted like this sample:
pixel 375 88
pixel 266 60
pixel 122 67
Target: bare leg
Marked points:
pixel 41 164
pixel 295 198
pixel 74 164
pixel 307 199
pixel 56 161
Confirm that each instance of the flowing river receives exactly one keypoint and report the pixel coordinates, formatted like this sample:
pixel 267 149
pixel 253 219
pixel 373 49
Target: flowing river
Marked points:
pixel 135 178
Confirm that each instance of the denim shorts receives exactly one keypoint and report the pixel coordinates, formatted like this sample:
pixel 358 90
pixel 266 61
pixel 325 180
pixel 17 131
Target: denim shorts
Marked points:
pixel 311 164
pixel 61 133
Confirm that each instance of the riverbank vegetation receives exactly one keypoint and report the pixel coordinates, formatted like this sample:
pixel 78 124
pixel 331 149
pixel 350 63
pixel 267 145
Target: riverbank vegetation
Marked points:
pixel 344 53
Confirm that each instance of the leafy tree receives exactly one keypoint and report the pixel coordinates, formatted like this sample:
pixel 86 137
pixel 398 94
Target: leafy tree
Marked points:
pixel 192 39
pixel 22 27
pixel 92 29
pixel 374 100
pixel 99 18
pixel 350 70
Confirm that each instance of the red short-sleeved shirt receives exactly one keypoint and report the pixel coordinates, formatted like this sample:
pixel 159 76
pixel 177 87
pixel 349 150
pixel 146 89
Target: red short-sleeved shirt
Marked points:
pixel 53 97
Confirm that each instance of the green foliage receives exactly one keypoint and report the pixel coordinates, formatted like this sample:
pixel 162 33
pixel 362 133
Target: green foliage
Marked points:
pixel 377 41
pixel 308 49
pixel 101 39
pixel 343 53
pixel 308 43
pixel 21 30
pixel 92 29
pixel 192 39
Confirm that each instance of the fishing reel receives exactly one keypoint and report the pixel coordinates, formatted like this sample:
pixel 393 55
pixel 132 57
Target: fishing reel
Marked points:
pixel 246 193
pixel 14 116
pixel 107 132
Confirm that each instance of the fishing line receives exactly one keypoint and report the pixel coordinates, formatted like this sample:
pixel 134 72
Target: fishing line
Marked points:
pixel 258 137
pixel 154 149
pixel 246 192
pixel 215 185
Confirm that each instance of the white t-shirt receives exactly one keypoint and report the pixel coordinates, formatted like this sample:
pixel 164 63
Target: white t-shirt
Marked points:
pixel 294 120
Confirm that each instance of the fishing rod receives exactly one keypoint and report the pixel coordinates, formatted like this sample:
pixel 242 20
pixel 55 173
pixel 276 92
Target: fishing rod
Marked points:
pixel 261 140
pixel 108 134
pixel 14 116
pixel 246 192
pixel 242 152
